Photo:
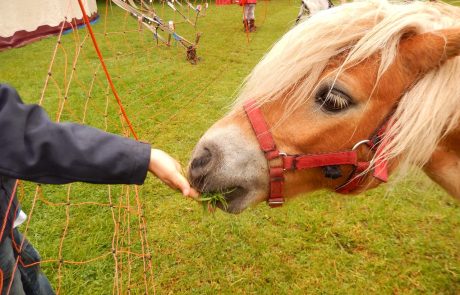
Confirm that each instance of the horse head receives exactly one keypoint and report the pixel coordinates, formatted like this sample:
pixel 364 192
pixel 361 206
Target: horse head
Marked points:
pixel 328 86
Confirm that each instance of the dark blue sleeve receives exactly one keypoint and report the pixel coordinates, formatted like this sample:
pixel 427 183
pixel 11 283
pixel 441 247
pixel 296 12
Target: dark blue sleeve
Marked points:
pixel 36 149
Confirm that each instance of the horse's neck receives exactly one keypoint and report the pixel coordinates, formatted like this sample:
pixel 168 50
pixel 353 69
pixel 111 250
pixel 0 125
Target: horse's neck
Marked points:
pixel 444 165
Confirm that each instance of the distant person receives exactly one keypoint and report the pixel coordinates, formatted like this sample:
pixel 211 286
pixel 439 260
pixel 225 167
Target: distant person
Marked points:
pixel 249 19
pixel 34 148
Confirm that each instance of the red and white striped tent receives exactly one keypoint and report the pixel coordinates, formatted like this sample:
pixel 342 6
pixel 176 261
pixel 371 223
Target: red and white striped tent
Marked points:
pixel 26 21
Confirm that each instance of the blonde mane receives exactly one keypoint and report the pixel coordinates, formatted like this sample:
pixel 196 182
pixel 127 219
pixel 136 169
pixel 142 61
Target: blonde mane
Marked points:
pixel 292 69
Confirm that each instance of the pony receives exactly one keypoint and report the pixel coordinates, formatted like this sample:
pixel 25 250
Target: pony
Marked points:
pixel 310 7
pixel 343 100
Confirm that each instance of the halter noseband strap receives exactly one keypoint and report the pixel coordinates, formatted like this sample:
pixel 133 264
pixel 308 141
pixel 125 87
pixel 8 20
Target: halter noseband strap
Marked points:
pixel 299 162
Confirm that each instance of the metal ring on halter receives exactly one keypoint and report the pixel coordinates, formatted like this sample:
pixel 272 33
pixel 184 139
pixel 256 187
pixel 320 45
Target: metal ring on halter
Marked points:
pixel 360 143
pixel 275 202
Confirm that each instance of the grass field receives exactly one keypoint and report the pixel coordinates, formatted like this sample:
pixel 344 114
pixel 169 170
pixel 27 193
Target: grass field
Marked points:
pixel 403 239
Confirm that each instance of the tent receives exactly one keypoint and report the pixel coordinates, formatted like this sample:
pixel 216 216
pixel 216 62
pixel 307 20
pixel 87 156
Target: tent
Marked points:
pixel 26 21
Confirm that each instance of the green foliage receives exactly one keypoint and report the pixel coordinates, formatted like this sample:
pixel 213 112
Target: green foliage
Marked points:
pixel 211 200
pixel 395 239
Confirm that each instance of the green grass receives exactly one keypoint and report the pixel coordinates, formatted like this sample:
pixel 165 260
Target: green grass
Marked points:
pixel 403 239
pixel 210 201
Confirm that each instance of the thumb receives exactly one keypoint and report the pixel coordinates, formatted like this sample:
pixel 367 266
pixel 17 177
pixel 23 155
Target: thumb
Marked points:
pixel 182 184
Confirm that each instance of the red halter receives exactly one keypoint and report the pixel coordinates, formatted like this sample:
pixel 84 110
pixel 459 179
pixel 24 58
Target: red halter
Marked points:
pixel 300 162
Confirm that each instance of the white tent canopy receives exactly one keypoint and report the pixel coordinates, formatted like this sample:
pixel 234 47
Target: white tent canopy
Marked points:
pixel 25 21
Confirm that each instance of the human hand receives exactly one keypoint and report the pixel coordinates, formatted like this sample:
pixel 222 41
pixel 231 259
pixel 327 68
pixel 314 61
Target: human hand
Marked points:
pixel 168 170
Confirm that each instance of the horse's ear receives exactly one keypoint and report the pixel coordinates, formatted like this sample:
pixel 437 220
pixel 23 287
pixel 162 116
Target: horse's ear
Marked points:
pixel 422 52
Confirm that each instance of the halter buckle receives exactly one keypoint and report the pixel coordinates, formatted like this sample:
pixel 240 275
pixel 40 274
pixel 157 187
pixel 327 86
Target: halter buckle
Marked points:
pixel 283 155
pixel 276 202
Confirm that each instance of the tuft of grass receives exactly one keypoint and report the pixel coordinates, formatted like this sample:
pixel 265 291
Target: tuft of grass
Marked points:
pixel 209 201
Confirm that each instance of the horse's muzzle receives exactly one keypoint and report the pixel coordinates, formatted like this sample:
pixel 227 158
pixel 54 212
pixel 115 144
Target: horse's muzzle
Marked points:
pixel 224 161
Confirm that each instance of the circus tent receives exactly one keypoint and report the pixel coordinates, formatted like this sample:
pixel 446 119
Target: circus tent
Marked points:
pixel 26 21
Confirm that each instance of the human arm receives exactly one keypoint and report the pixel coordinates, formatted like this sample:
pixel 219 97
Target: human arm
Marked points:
pixel 36 149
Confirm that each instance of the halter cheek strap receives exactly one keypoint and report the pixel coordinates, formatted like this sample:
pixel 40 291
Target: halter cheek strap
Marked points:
pixel 267 145
pixel 286 162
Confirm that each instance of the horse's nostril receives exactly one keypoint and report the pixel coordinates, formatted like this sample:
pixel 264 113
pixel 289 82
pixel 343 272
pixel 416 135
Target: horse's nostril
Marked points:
pixel 200 167
pixel 202 160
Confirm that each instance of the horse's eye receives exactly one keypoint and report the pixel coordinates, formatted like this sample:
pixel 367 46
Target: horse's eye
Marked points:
pixel 333 100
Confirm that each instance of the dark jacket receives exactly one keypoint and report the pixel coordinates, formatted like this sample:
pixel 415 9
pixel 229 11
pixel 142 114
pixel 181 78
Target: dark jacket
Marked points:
pixel 34 148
